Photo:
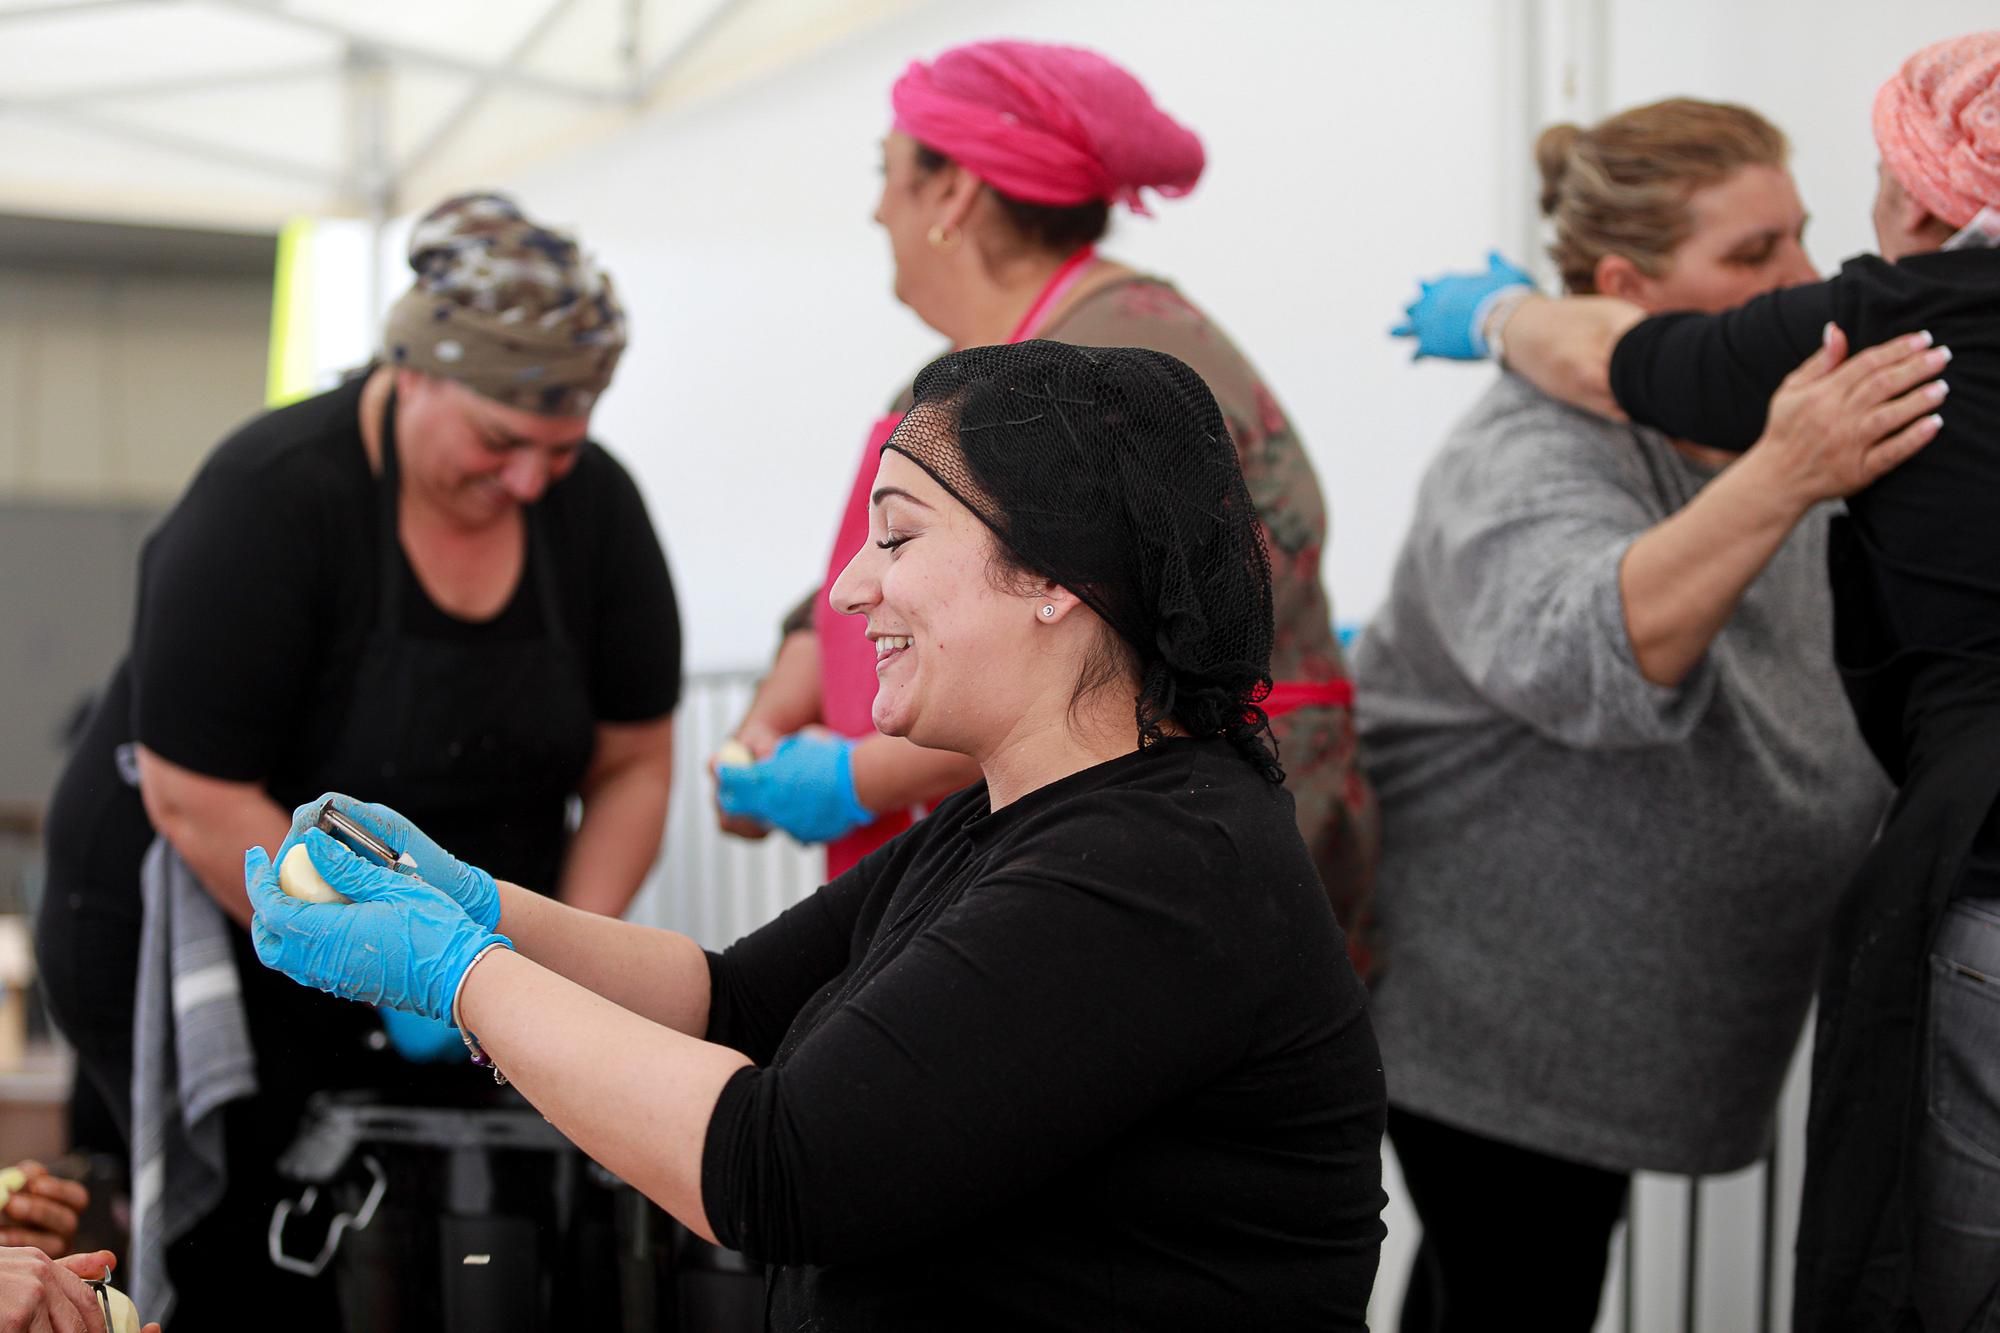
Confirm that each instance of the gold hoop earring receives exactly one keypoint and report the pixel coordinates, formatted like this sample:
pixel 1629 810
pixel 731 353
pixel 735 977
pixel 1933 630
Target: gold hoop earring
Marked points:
pixel 942 237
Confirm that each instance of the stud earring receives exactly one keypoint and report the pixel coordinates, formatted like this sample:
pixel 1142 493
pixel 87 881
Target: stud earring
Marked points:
pixel 1048 612
pixel 942 237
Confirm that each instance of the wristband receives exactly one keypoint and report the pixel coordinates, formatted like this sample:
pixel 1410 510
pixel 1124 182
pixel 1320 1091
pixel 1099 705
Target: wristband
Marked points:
pixel 472 1046
pixel 1489 322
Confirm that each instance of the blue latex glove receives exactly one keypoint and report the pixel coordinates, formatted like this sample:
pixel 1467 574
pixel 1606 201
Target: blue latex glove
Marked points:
pixel 472 888
pixel 805 788
pixel 400 942
pixel 420 1040
pixel 1447 317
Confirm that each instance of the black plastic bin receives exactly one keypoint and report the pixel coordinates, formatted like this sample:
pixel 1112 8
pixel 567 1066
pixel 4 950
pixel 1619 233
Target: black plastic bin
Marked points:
pixel 487 1219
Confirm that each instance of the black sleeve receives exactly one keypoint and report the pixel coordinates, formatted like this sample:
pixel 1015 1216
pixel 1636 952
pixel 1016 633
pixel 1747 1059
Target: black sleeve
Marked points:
pixel 1042 1014
pixel 635 659
pixel 757 985
pixel 226 636
pixel 1708 379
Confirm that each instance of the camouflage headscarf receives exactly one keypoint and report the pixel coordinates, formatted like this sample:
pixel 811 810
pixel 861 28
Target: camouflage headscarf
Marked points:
pixel 510 309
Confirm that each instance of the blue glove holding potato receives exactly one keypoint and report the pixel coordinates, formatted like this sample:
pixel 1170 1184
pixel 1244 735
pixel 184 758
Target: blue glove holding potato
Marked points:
pixel 805 788
pixel 471 887
pixel 399 941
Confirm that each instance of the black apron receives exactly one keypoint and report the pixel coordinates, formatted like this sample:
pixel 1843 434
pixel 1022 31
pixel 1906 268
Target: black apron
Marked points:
pixel 479 741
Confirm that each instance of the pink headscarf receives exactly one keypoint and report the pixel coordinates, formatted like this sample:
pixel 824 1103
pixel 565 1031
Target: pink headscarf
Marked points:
pixel 1053 125
pixel 1937 124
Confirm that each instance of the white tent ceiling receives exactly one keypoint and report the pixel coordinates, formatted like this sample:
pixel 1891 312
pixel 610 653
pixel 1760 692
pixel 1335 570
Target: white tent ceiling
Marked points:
pixel 239 113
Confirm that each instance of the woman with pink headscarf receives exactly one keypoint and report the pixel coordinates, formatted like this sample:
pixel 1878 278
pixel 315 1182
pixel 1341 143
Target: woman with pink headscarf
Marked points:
pixel 999 175
pixel 1900 1223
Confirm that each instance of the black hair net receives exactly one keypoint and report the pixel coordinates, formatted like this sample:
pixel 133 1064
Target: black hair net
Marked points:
pixel 1109 471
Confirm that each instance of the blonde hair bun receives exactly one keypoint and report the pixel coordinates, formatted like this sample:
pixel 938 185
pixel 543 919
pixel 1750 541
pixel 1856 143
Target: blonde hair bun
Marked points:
pixel 1552 156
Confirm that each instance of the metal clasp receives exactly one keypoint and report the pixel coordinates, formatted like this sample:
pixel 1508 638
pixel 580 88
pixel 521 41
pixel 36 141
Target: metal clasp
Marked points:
pixel 341 1224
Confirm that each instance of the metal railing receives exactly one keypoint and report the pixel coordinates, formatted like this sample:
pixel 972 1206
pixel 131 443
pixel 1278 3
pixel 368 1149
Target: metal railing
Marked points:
pixel 708 885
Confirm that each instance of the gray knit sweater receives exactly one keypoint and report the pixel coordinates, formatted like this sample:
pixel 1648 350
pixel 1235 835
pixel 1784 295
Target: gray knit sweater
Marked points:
pixel 1601 901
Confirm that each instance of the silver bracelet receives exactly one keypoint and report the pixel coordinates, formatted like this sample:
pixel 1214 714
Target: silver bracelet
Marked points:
pixel 1493 316
pixel 472 1046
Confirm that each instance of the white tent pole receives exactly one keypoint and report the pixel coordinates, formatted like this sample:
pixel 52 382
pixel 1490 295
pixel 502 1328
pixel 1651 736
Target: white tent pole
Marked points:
pixel 62 10
pixel 417 55
pixel 196 83
pixel 630 45
pixel 369 181
pixel 484 86
pixel 1520 51
pixel 170 141
pixel 1553 66
pixel 649 83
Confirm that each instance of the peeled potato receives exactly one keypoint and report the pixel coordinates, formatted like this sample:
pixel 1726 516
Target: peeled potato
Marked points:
pixel 301 879
pixel 12 1180
pixel 121 1314
pixel 734 754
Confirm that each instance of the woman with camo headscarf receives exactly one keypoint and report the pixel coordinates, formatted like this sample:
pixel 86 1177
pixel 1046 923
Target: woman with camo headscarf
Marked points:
pixel 427 584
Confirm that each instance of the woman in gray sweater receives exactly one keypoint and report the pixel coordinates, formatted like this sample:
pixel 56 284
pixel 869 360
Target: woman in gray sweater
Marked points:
pixel 1619 782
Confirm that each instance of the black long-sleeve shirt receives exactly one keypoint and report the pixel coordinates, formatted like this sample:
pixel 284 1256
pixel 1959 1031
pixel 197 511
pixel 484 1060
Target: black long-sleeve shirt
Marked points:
pixel 1916 583
pixel 1093 1061
pixel 1917 571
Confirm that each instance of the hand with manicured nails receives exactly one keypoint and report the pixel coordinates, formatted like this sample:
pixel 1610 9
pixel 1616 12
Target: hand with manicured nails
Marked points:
pixel 1448 317
pixel 805 788
pixel 400 942
pixel 1839 423
pixel 471 887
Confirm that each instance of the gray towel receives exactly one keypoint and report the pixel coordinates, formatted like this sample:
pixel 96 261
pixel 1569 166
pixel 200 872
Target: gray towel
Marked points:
pixel 191 1057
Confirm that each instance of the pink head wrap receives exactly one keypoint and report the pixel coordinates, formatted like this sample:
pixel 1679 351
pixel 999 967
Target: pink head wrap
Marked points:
pixel 1054 125
pixel 1937 124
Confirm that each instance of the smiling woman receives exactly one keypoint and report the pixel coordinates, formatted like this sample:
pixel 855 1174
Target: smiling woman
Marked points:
pixel 1083 1050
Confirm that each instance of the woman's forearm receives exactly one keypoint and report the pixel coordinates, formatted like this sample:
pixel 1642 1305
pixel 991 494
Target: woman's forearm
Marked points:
pixel 659 975
pixel 892 774
pixel 1563 347
pixel 788 696
pixel 211 822
pixel 624 815
pixel 615 844
pixel 635 1095
pixel 1682 579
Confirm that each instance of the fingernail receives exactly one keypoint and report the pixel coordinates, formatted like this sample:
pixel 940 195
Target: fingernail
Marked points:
pixel 1941 356
pixel 1939 389
pixel 1922 339
pixel 1826 335
pixel 1936 421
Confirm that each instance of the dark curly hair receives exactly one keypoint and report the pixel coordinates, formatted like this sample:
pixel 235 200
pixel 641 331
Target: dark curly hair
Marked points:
pixel 1109 471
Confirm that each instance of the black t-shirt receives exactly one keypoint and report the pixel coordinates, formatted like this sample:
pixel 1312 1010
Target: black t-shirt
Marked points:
pixel 257 594
pixel 1917 568
pixel 1097 1060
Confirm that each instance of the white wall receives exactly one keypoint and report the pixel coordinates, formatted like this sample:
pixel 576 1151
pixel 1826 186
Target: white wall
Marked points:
pixel 1352 145
pixel 765 339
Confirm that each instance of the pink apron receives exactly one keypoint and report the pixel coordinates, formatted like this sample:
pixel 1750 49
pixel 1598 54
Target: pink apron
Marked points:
pixel 846 658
